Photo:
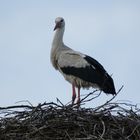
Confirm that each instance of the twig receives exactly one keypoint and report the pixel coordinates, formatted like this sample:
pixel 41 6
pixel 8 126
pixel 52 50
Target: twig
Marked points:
pixel 101 137
pixel 109 100
pixel 17 106
pixel 58 101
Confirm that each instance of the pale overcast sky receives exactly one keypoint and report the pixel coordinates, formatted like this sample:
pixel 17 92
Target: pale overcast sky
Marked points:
pixel 107 30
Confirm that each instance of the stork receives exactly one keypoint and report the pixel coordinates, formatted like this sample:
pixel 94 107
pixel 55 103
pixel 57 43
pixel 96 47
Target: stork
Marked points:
pixel 77 68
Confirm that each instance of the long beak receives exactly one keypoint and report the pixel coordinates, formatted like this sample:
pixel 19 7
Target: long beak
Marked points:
pixel 58 25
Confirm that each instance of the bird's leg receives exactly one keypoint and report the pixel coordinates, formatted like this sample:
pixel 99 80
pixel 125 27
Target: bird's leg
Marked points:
pixel 78 100
pixel 73 93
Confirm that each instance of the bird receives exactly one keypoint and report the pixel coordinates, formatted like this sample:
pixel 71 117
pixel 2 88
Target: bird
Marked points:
pixel 79 69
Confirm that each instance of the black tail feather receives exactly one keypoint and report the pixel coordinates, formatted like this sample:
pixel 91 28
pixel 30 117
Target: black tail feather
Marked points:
pixel 108 86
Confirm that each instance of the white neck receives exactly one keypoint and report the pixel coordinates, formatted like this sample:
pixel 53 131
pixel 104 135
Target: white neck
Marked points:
pixel 58 38
pixel 57 45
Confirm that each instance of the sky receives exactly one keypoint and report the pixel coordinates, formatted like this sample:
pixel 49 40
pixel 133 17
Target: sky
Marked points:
pixel 109 31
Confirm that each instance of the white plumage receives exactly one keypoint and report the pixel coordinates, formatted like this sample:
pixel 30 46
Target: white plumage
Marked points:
pixel 79 69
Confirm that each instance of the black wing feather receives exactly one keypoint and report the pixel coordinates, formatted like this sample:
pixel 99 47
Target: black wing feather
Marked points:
pixel 94 73
pixel 95 63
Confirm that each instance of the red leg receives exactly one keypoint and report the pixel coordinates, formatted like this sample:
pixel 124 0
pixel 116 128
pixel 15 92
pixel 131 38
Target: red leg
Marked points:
pixel 78 100
pixel 73 93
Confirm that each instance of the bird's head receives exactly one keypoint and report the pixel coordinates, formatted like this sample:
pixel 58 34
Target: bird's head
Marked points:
pixel 59 23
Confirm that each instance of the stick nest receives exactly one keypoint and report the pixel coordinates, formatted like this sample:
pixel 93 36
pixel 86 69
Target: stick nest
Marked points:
pixel 55 121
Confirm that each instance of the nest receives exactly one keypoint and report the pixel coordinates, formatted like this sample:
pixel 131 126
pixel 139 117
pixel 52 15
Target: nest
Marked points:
pixel 55 121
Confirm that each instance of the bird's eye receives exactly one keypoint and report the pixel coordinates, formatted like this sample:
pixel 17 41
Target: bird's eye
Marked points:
pixel 61 20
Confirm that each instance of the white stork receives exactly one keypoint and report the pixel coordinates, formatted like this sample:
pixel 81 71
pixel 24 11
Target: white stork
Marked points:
pixel 77 68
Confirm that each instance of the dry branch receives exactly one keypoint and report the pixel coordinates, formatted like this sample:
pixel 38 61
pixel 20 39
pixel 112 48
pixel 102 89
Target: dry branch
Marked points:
pixel 56 121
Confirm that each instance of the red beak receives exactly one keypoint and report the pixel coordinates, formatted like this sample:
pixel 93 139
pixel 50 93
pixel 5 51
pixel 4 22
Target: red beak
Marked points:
pixel 58 25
